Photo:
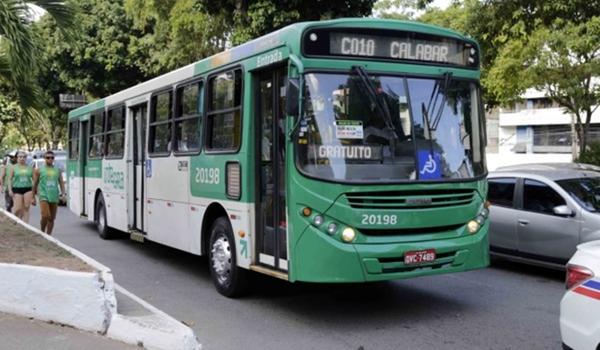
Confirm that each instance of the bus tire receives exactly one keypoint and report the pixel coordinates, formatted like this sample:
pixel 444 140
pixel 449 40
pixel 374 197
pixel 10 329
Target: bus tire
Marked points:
pixel 229 279
pixel 100 218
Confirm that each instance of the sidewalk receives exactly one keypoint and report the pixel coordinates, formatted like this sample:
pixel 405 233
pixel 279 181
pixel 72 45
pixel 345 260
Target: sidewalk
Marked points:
pixel 22 333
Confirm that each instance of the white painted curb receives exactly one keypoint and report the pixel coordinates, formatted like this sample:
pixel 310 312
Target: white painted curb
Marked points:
pixel 48 294
pixel 85 300
pixel 159 331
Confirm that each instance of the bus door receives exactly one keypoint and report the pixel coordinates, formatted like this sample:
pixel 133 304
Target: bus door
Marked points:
pixel 83 160
pixel 135 168
pixel 271 217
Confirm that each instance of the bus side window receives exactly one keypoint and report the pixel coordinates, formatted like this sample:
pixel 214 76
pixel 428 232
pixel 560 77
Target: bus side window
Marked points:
pixel 188 118
pixel 115 132
pixel 159 138
pixel 96 143
pixel 224 116
pixel 74 140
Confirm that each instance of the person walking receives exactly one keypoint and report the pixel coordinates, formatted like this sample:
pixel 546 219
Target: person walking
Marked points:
pixel 46 182
pixel 12 160
pixel 20 187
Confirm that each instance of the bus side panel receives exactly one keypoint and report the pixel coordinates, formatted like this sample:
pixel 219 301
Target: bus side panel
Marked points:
pixel 74 185
pixel 93 182
pixel 167 202
pixel 113 189
pixel 241 217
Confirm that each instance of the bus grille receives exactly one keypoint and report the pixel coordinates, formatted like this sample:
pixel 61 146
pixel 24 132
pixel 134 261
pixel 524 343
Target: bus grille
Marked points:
pixel 410 231
pixel 414 199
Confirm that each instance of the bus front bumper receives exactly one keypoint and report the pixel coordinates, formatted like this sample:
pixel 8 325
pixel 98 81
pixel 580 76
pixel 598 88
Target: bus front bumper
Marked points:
pixel 318 258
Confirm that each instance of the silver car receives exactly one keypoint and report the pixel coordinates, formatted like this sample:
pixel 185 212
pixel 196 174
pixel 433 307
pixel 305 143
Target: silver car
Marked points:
pixel 540 212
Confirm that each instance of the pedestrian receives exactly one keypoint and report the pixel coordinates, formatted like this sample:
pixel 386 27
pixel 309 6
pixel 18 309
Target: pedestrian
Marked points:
pixel 12 160
pixel 46 182
pixel 20 187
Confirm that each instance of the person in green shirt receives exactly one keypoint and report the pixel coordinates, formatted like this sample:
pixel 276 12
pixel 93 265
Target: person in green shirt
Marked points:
pixel 20 187
pixel 11 161
pixel 46 181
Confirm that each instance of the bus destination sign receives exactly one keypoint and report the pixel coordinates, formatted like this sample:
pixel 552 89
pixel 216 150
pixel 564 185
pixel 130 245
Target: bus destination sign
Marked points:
pixel 399 46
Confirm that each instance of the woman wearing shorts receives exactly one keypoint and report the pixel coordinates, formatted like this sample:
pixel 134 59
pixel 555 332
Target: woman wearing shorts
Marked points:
pixel 20 185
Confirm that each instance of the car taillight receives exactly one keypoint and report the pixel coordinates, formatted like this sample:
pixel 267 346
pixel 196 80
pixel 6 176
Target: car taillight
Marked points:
pixel 576 275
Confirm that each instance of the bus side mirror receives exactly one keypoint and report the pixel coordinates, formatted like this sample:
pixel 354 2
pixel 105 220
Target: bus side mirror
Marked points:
pixel 292 93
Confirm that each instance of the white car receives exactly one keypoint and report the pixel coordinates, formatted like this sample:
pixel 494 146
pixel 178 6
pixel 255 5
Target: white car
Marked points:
pixel 580 306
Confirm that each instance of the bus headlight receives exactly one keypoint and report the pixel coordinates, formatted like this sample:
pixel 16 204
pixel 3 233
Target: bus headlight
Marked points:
pixel 348 235
pixel 473 226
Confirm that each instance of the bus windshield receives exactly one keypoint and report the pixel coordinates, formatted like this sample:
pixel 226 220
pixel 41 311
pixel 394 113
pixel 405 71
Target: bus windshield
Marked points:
pixel 358 127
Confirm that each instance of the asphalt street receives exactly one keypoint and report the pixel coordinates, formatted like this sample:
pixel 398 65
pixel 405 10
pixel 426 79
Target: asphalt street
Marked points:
pixel 506 306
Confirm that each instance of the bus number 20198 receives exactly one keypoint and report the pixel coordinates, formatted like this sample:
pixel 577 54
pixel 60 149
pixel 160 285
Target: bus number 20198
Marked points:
pixel 379 219
pixel 209 176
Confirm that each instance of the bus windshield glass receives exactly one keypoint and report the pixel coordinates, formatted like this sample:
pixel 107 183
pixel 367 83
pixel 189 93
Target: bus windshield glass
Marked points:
pixel 360 127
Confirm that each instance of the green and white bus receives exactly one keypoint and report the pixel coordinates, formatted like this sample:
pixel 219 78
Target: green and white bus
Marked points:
pixel 348 150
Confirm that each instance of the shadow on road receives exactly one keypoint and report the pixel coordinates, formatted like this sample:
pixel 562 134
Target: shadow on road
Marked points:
pixel 529 270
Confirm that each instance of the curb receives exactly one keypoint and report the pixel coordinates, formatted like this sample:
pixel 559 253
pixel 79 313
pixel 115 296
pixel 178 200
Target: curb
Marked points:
pixel 159 331
pixel 86 300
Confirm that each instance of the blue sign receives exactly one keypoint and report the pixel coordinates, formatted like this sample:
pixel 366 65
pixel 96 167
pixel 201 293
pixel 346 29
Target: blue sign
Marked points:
pixel 148 167
pixel 429 165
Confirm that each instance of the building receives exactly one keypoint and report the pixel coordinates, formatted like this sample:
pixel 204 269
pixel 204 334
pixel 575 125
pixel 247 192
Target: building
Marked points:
pixel 535 130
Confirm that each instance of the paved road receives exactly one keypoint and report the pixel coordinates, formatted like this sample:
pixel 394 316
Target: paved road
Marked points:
pixel 508 306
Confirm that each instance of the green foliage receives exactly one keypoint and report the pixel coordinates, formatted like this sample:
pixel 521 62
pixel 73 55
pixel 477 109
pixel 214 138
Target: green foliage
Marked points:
pixel 10 112
pixel 179 32
pixel 399 9
pixel 99 62
pixel 591 155
pixel 176 33
pixel 18 51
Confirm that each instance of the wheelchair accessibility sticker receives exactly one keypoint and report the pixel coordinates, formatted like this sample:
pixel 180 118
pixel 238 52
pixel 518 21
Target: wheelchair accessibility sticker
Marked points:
pixel 429 165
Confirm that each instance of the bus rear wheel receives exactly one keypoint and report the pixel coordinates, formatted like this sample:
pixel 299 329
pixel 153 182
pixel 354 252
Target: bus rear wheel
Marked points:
pixel 100 218
pixel 229 279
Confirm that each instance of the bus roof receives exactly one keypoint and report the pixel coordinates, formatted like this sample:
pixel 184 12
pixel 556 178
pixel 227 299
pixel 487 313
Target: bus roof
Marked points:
pixel 288 36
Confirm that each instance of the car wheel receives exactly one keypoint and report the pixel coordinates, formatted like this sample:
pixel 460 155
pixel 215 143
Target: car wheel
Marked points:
pixel 229 279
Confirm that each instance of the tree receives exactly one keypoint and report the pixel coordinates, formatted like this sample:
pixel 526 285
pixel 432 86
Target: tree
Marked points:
pixel 400 9
pixel 99 63
pixel 179 32
pixel 17 46
pixel 9 113
pixel 564 61
pixel 175 33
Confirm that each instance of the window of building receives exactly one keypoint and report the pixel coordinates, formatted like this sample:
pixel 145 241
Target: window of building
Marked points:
pixel 187 118
pixel 552 135
pixel 74 140
pixel 224 117
pixel 96 134
pixel 160 135
pixel 501 191
pixel 541 103
pixel 115 132
pixel 540 198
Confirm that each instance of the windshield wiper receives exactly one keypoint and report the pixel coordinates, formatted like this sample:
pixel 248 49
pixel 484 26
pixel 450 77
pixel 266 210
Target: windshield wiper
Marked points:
pixel 375 98
pixel 433 99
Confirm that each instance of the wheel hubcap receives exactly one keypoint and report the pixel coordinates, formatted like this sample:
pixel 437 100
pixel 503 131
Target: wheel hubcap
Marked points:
pixel 221 259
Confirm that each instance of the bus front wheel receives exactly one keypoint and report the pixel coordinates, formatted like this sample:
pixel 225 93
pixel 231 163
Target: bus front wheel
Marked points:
pixel 229 279
pixel 100 218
